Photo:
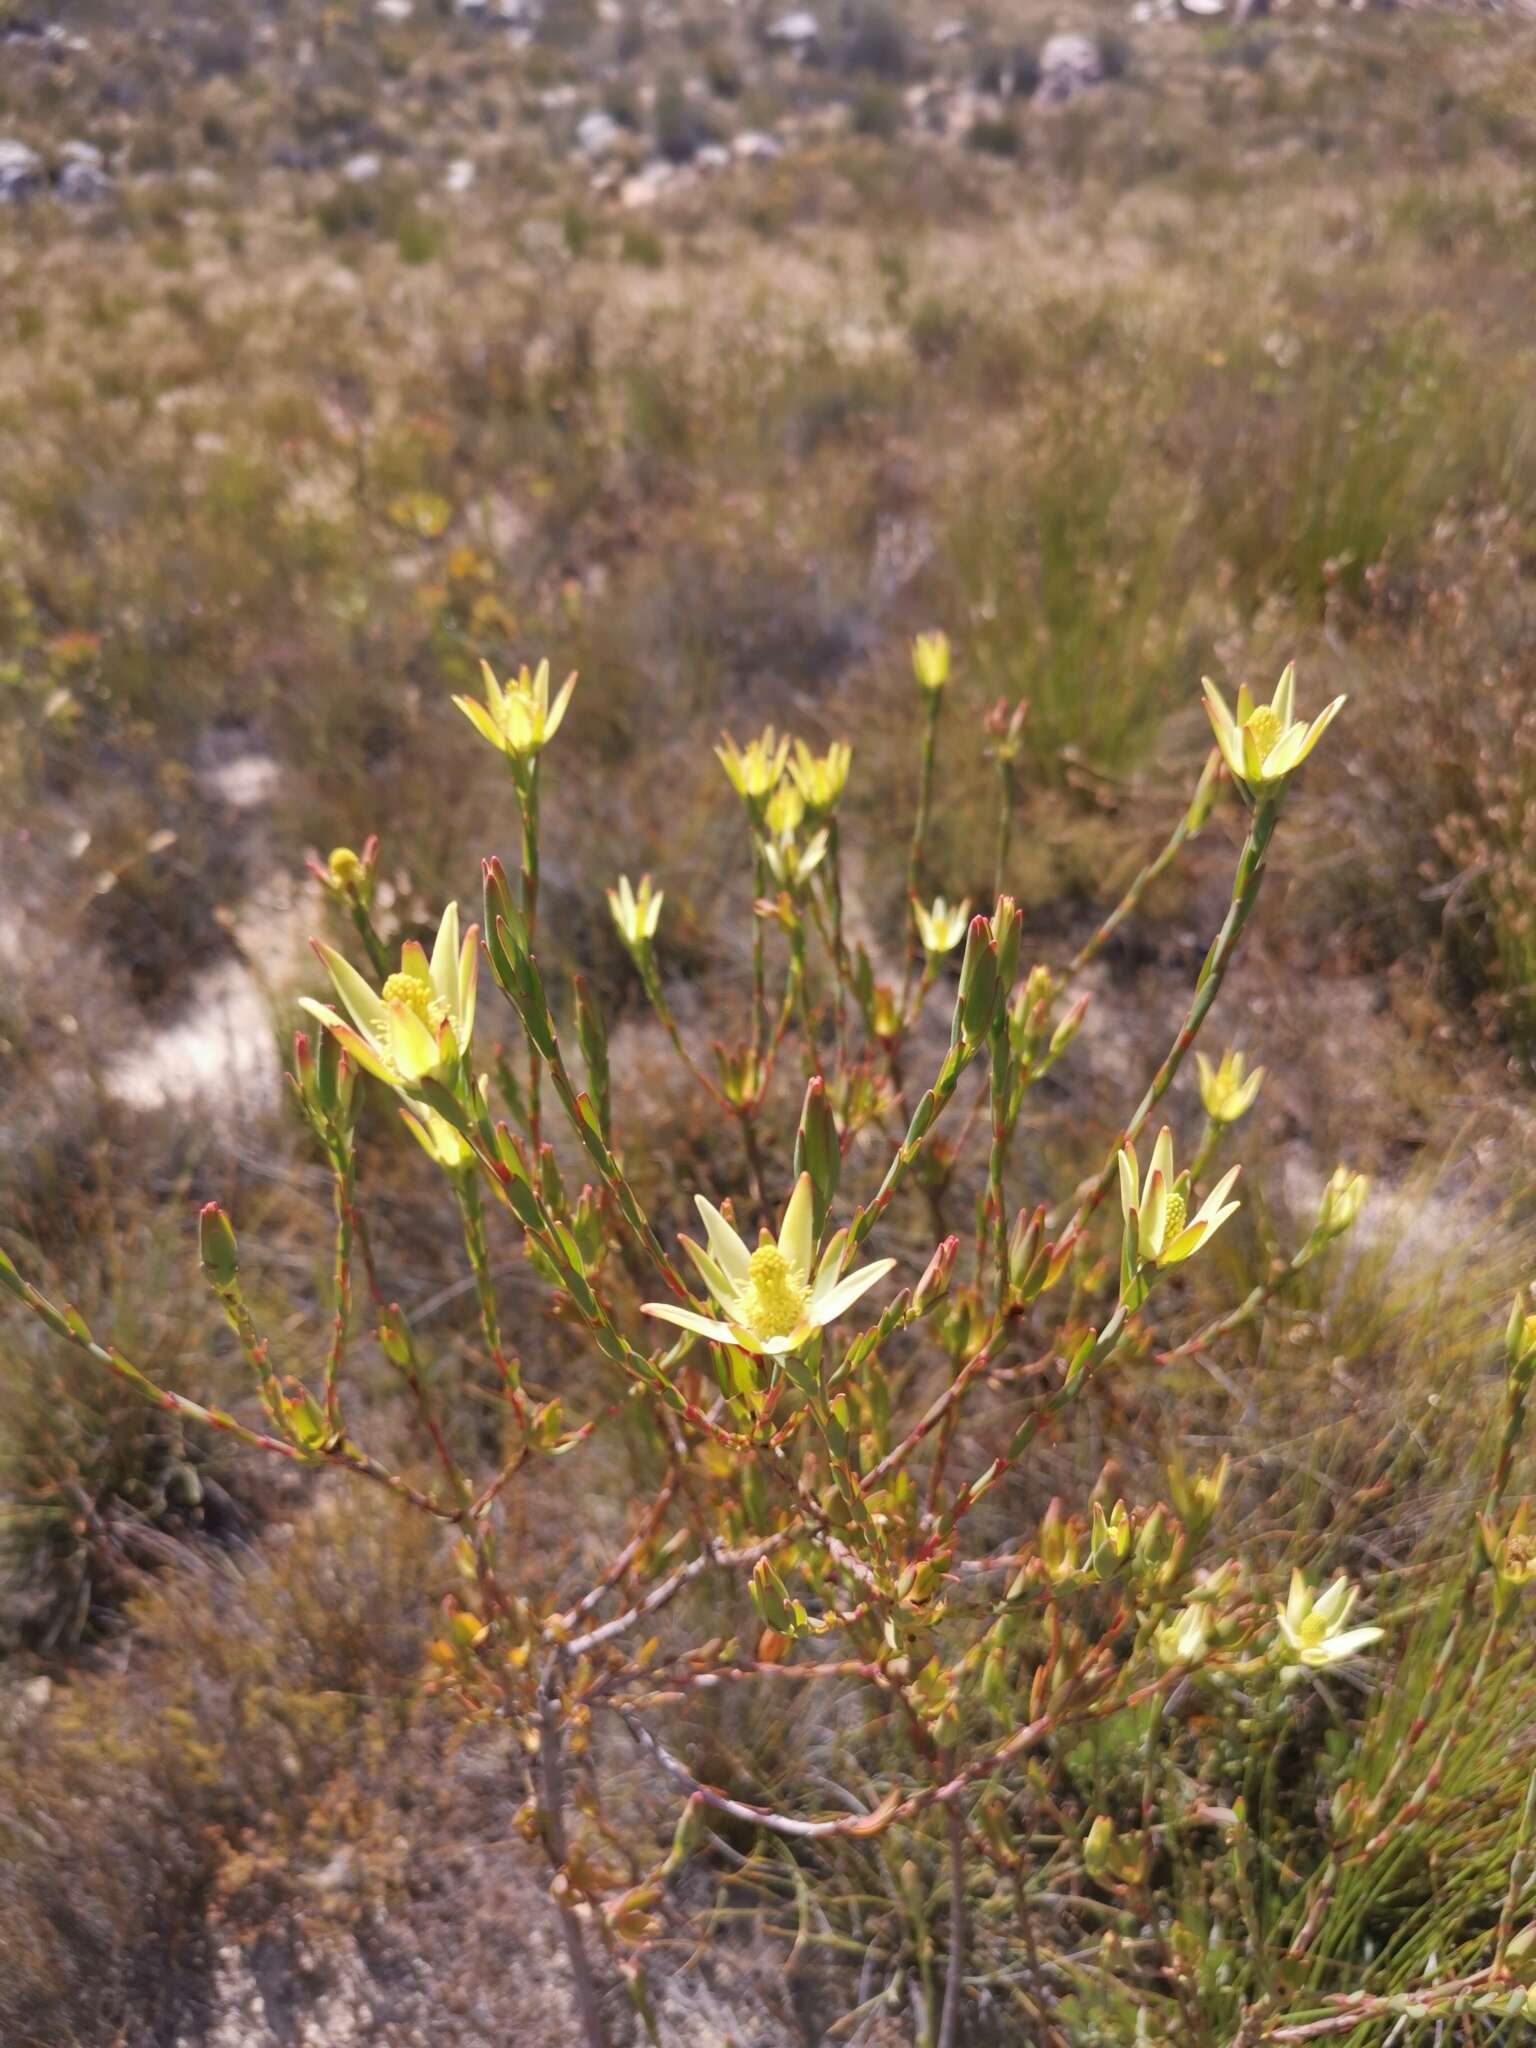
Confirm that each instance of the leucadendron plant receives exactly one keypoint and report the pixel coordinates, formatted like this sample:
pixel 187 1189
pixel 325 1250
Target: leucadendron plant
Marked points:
pixel 830 1398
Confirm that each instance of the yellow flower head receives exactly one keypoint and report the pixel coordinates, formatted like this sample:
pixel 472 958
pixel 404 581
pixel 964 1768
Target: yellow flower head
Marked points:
pixel 821 778
pixel 775 1298
pixel 346 870
pixel 942 927
pixel 1183 1639
pixel 1264 743
pixel 1227 1090
pixel 346 874
pixel 1511 1551
pixel 785 811
pixel 1313 1626
pixel 930 661
pixel 636 912
pixel 1158 1228
pixel 517 716
pixel 419 1025
pixel 754 769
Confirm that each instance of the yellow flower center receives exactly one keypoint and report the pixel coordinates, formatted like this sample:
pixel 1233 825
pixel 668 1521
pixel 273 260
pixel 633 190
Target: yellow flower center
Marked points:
pixel 1177 1212
pixel 345 867
pixel 417 997
pixel 774 1300
pixel 1266 728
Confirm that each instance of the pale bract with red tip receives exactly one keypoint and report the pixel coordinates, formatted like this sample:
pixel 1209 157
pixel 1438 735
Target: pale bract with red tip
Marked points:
pixel 774 1299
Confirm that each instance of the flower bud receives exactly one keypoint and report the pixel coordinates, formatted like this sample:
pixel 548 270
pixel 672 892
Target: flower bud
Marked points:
pixel 395 1337
pixel 818 1151
pixel 216 1247
pixel 1204 799
pixel 1106 1858
pixel 1197 1495
pixel 1058 1546
pixel 1520 1342
pixel 1109 1541
pixel 304 1419
pixel 1007 936
pixel 784 1616
pixel 934 1285
pixel 978 983
pixel 1069 1026
pixel 930 661
pixel 1341 1202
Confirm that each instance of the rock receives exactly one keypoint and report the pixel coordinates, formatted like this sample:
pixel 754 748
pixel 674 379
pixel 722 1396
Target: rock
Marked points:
pixel 245 779
pixel 363 168
pixel 1203 10
pixel 83 178
pixel 797 31
pixel 341 1874
pixel 598 134
pixel 393 10
pixel 21 172
pixel 752 146
pixel 460 175
pixel 218 1056
pixel 948 32
pixel 713 156
pixel 1069 65
pixel 648 183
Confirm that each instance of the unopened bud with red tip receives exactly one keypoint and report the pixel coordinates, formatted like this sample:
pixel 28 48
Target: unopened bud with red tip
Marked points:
pixel 1029 1255
pixel 1069 1026
pixel 395 1338
pixel 503 920
pixel 818 1151
pixel 934 1285
pixel 304 1419
pixel 216 1247
pixel 1007 936
pixel 304 1065
pixel 977 1000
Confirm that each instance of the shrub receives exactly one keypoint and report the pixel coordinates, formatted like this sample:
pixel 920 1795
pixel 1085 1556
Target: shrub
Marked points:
pixel 843 1503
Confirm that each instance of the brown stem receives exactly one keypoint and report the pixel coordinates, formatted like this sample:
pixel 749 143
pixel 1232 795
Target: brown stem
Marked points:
pixel 552 1814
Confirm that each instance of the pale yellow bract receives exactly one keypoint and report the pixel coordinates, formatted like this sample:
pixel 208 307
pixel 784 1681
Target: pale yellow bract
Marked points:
pixel 420 1024
pixel 1264 743
pixel 776 1298
pixel 517 716
pixel 1156 1221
